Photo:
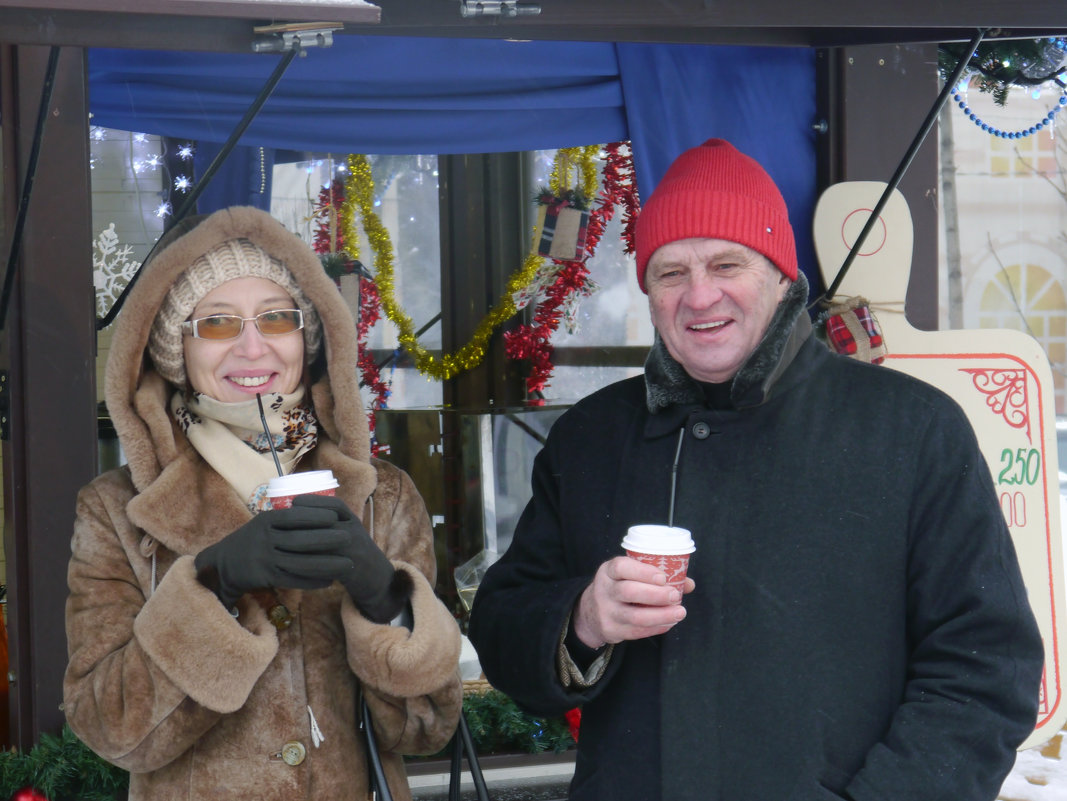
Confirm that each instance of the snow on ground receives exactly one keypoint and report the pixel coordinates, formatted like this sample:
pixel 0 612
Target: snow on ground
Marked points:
pixel 1039 774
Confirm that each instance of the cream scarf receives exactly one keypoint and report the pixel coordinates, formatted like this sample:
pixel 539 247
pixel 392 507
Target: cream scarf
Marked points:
pixel 231 439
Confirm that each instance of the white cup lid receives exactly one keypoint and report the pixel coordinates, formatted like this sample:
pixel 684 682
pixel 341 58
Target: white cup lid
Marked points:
pixel 300 483
pixel 657 539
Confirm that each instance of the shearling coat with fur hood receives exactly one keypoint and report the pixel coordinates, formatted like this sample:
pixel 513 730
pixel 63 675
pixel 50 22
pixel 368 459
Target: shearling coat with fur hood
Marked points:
pixel 162 680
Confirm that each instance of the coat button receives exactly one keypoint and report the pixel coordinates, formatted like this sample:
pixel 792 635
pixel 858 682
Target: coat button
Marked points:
pixel 293 753
pixel 280 616
pixel 701 430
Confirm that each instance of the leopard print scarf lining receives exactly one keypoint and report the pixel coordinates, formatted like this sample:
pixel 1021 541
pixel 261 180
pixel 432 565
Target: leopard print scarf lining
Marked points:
pixel 231 439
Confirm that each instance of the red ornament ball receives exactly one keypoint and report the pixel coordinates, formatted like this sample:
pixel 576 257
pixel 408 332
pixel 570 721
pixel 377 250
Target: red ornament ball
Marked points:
pixel 28 794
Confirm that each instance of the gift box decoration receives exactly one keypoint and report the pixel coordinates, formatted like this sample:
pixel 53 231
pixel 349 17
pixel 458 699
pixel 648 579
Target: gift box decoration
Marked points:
pixel 561 228
pixel 852 329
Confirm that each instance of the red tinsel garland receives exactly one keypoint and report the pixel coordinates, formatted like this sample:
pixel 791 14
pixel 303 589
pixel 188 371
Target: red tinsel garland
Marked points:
pixel 533 342
pixel 330 239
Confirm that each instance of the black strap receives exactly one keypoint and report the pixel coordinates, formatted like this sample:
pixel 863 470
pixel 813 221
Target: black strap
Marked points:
pixel 376 773
pixel 27 184
pixel 462 741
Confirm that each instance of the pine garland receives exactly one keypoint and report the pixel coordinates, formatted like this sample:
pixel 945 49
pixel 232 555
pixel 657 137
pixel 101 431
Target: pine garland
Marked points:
pixel 63 769
pixel 999 64
pixel 498 726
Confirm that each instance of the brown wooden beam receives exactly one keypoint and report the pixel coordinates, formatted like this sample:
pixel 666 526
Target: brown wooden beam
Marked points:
pixel 273 10
pixel 48 353
pixel 88 29
pixel 218 25
pixel 874 101
pixel 482 239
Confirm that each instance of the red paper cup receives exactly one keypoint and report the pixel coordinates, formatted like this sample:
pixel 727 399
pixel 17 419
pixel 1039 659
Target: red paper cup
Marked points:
pixel 281 490
pixel 665 547
pixel 675 566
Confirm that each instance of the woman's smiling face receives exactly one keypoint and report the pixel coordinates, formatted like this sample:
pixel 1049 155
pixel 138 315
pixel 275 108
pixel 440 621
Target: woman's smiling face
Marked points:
pixel 234 370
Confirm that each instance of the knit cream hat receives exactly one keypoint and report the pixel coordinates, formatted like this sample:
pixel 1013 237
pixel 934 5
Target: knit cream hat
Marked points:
pixel 234 258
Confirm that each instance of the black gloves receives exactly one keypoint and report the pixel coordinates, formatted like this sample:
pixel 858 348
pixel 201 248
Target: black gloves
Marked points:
pixel 378 590
pixel 292 548
pixel 318 541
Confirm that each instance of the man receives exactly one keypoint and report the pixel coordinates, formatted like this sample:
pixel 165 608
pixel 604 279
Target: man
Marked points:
pixel 855 625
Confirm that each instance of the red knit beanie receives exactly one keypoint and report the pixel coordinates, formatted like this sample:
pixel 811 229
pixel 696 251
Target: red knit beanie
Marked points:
pixel 714 191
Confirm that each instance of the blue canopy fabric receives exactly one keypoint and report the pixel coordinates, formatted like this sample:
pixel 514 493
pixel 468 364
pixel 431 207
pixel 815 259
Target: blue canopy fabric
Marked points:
pixel 761 99
pixel 373 95
pixel 395 95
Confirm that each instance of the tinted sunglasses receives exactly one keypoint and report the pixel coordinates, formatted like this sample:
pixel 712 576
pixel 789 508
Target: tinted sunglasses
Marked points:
pixel 270 323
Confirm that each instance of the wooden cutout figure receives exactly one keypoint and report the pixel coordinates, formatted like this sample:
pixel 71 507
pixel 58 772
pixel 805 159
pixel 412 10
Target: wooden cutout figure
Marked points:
pixel 1001 378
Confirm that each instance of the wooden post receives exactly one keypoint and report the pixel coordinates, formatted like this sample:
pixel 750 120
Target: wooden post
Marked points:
pixel 47 376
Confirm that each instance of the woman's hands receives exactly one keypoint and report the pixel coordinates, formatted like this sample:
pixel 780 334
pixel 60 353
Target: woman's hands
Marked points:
pixel 317 541
pixel 294 548
pixel 378 590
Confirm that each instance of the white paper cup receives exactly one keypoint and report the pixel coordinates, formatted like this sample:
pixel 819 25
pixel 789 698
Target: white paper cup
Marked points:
pixel 282 489
pixel 665 547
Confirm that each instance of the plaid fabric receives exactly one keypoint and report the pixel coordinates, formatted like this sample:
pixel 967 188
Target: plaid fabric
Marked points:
pixel 563 232
pixel 854 332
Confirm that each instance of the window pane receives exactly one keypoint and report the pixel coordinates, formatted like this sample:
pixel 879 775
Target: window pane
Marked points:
pixel 406 202
pixel 569 384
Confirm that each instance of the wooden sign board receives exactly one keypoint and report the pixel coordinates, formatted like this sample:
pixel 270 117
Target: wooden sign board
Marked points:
pixel 1001 378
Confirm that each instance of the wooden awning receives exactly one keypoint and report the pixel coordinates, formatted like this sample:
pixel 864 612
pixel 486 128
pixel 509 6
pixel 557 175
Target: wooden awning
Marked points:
pixel 225 24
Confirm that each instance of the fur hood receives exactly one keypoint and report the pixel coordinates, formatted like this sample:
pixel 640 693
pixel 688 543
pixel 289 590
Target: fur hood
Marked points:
pixel 137 396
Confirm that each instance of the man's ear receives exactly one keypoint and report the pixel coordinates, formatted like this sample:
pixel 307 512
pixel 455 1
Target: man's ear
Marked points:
pixel 783 286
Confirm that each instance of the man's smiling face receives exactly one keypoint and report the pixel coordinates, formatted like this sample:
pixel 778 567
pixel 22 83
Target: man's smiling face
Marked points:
pixel 712 301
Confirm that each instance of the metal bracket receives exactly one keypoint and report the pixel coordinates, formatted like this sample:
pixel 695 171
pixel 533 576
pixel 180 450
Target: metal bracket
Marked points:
pixel 296 36
pixel 497 8
pixel 5 406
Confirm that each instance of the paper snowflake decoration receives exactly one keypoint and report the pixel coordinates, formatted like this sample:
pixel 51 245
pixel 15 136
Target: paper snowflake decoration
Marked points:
pixel 112 268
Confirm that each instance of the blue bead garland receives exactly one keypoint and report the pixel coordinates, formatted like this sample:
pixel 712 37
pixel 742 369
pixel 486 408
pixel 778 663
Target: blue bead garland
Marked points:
pixel 992 130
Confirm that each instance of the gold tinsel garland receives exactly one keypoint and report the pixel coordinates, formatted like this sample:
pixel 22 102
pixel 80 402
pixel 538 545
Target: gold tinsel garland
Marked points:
pixel 579 159
pixel 359 195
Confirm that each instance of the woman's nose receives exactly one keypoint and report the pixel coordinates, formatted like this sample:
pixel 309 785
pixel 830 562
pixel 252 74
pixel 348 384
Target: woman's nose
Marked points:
pixel 250 343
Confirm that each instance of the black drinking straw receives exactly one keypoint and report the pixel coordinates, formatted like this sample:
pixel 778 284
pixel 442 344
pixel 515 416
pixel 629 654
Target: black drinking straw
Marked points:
pixel 674 476
pixel 270 438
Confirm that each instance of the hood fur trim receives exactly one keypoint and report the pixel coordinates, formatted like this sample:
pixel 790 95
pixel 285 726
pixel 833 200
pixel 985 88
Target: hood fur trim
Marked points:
pixel 137 397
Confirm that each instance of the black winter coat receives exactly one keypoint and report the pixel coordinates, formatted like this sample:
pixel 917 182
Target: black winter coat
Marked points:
pixel 859 628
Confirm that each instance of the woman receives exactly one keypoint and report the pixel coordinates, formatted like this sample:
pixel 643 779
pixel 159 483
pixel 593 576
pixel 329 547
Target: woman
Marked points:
pixel 216 650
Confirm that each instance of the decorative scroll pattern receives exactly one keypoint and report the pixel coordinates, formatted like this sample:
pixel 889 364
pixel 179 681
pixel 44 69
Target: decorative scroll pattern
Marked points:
pixel 1005 393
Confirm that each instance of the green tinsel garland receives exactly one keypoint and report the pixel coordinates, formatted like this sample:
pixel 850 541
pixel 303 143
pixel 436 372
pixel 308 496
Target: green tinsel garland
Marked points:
pixel 64 769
